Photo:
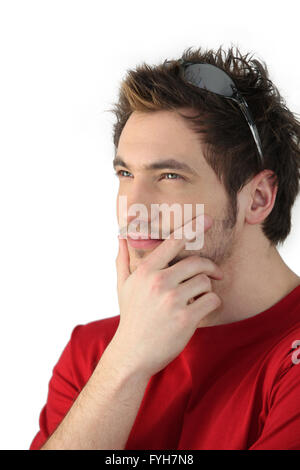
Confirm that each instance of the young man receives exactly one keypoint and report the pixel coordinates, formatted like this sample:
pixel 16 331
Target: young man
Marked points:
pixel 203 354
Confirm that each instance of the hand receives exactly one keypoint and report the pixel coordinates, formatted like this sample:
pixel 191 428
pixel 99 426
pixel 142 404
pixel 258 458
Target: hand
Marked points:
pixel 156 320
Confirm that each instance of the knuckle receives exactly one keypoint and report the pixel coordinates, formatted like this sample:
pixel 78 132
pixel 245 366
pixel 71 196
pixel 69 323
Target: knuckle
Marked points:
pixel 171 297
pixel 157 281
pixel 201 262
pixel 198 263
pixel 195 260
pixel 205 281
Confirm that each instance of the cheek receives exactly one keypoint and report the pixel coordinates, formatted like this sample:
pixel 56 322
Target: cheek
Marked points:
pixel 117 205
pixel 214 195
pixel 121 209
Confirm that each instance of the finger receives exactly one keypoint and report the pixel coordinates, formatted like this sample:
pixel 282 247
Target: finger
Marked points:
pixel 170 247
pixel 122 262
pixel 205 304
pixel 194 287
pixel 191 266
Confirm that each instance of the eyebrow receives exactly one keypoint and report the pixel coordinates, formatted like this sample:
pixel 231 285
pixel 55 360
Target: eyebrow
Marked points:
pixel 169 163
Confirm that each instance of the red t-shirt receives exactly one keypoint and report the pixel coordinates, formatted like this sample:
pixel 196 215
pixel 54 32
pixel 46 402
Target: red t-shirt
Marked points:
pixel 234 386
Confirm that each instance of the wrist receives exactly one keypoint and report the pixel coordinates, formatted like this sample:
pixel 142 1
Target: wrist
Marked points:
pixel 120 368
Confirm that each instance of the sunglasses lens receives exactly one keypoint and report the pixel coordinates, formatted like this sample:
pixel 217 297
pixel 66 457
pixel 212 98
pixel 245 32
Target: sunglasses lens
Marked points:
pixel 209 77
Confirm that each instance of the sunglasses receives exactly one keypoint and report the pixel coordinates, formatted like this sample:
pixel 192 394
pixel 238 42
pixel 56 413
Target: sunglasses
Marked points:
pixel 211 78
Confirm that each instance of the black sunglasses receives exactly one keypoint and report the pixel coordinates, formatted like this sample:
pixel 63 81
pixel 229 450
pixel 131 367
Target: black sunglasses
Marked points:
pixel 211 78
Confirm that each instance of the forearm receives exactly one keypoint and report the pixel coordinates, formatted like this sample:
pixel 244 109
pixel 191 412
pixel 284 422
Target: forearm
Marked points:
pixel 104 412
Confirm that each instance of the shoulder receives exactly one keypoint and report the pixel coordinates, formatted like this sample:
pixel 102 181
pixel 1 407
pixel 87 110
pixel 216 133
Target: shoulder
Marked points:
pixel 279 417
pixel 99 330
pixel 88 342
pixel 283 358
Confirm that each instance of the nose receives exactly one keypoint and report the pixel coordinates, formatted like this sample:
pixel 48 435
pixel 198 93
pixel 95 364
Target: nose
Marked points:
pixel 137 214
pixel 141 203
pixel 138 190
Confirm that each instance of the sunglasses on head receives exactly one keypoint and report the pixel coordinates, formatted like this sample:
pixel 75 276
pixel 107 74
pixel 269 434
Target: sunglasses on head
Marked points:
pixel 211 78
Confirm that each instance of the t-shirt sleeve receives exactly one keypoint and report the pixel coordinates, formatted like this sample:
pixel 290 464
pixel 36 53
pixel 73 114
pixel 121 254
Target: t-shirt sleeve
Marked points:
pixel 281 430
pixel 62 392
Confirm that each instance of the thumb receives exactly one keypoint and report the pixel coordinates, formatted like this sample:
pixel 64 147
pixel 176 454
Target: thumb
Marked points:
pixel 122 262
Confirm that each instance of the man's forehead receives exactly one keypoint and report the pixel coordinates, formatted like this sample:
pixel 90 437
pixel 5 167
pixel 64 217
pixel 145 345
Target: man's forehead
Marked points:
pixel 160 117
pixel 143 148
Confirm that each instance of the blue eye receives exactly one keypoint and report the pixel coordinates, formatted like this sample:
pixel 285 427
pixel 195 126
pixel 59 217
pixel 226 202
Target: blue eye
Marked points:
pixel 178 176
pixel 118 173
pixel 121 175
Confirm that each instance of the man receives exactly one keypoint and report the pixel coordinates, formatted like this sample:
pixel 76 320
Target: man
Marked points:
pixel 204 352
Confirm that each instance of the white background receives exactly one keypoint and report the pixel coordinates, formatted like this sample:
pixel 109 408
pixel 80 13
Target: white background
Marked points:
pixel 61 63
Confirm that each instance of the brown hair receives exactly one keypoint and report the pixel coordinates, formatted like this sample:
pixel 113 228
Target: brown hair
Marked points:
pixel 229 147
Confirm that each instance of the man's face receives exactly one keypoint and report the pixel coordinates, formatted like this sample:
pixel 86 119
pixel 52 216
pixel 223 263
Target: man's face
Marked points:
pixel 157 136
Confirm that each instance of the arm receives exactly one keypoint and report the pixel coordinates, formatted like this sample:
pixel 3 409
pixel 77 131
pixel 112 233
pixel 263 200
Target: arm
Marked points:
pixel 281 430
pixel 104 412
pixel 156 323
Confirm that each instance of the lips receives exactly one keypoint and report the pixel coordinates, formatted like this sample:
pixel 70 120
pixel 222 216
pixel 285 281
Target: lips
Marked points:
pixel 138 236
pixel 143 243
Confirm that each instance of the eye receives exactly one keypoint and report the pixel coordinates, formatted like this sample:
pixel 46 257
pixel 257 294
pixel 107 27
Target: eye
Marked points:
pixel 173 174
pixel 119 173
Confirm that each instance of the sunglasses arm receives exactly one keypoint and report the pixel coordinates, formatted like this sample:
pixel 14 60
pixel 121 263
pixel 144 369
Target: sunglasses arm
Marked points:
pixel 239 99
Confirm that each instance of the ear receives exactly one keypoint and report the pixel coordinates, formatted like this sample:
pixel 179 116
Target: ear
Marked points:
pixel 263 190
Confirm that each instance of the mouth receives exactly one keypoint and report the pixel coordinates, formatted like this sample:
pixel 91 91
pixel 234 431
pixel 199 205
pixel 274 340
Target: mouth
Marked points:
pixel 144 243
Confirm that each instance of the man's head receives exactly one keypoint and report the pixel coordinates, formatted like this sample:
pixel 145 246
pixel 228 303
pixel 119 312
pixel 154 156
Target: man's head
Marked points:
pixel 161 118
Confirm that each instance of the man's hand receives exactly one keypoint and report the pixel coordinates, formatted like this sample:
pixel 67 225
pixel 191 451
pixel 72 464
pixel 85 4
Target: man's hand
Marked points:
pixel 155 325
pixel 156 320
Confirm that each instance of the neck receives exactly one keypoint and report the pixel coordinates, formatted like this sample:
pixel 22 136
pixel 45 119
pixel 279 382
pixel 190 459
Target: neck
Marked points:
pixel 254 279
